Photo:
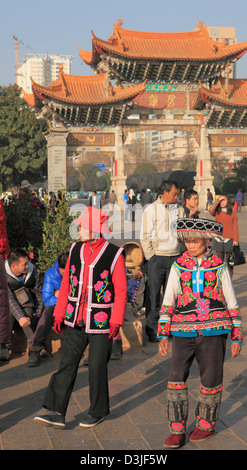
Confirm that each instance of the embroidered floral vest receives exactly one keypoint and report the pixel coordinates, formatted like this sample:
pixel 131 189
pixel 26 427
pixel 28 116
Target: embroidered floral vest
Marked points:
pixel 200 291
pixel 100 296
pixel 200 304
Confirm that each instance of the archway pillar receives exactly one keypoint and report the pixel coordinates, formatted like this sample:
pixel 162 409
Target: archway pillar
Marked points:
pixel 57 159
pixel 118 177
pixel 204 178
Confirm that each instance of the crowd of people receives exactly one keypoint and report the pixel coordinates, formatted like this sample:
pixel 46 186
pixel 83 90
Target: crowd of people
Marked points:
pixel 189 297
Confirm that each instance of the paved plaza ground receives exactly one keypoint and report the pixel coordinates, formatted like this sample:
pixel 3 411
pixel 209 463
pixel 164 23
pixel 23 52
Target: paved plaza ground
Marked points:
pixel 137 382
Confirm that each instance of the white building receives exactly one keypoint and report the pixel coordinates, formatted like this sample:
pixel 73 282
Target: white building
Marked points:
pixel 43 68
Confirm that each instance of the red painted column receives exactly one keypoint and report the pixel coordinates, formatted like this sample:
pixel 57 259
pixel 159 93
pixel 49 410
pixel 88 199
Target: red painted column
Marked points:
pixel 201 171
pixel 115 168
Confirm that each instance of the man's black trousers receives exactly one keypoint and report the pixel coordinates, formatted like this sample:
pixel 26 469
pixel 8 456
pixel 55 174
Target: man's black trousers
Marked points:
pixel 158 272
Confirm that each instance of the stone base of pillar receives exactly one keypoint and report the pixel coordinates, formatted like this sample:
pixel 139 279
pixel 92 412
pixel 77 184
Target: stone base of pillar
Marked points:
pixel 201 186
pixel 118 186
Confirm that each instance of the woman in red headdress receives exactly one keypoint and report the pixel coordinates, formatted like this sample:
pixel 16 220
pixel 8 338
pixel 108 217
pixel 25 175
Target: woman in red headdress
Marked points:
pixel 91 304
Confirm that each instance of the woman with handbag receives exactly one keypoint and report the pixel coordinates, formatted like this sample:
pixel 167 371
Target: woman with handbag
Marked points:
pixel 222 210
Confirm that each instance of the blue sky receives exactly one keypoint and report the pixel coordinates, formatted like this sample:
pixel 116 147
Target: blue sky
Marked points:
pixel 59 26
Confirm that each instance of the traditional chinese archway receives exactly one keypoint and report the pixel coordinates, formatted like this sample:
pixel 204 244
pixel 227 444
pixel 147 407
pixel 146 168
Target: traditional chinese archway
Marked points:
pixel 175 76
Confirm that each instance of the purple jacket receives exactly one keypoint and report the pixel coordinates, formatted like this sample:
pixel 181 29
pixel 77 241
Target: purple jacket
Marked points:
pixel 4 306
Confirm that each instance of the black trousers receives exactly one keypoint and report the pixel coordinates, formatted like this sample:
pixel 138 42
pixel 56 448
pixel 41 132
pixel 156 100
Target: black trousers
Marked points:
pixel 27 330
pixel 44 326
pixel 62 382
pixel 158 272
pixel 209 352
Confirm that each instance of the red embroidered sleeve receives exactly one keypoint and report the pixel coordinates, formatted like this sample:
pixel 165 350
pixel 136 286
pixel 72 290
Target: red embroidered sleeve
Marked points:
pixel 164 324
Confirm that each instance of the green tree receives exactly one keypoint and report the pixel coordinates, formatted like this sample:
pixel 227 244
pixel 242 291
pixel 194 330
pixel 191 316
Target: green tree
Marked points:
pixel 145 168
pixel 188 162
pixel 88 169
pixel 56 235
pixel 240 169
pixel 24 224
pixel 23 151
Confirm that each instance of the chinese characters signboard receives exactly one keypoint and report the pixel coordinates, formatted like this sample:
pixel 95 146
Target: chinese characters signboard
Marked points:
pixel 91 139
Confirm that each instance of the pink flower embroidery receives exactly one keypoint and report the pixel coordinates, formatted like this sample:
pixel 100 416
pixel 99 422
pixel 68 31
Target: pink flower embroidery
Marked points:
pixel 210 276
pixel 177 426
pixel 216 260
pixel 202 305
pixel 186 299
pixel 73 268
pixel 107 297
pixel 100 316
pixel 203 316
pixel 234 312
pixel 98 285
pixel 204 424
pixel 100 319
pixel 182 260
pixel 236 333
pixel 214 295
pixel 178 318
pixel 217 314
pixel 170 310
pixel 185 276
pixel 75 280
pixel 187 290
pixel 191 317
pixel 104 274
pixel 163 329
pixel 206 264
pixel 207 289
pixel 190 264
pixel 69 308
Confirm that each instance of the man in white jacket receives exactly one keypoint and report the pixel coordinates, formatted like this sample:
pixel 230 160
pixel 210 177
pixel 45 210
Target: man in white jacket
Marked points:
pixel 160 248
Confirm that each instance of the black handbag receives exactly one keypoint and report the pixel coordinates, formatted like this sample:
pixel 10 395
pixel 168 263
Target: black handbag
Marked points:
pixel 236 257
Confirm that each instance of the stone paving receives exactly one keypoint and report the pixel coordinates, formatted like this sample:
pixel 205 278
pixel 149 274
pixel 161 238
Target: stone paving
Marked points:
pixel 137 383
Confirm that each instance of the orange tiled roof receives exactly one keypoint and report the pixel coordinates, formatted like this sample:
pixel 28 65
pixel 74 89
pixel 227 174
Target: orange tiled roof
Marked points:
pixel 194 45
pixel 29 98
pixel 237 92
pixel 85 90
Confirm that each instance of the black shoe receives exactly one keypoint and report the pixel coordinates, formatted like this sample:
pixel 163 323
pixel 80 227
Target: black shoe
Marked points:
pixel 89 421
pixel 117 350
pixel 151 335
pixel 4 352
pixel 33 357
pixel 51 419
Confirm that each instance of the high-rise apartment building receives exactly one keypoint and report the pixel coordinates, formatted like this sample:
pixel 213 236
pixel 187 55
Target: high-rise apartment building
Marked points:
pixel 43 68
pixel 227 34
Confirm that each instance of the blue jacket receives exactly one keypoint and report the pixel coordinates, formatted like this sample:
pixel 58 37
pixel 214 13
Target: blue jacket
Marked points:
pixel 52 282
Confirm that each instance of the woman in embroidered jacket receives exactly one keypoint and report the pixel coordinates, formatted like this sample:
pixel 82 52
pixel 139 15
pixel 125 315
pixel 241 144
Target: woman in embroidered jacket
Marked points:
pixel 91 303
pixel 199 310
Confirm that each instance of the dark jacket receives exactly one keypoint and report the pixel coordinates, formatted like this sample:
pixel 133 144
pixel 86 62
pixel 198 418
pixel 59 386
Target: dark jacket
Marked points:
pixel 97 202
pixel 187 213
pixel 4 306
pixel 30 281
pixel 52 282
pixel 147 198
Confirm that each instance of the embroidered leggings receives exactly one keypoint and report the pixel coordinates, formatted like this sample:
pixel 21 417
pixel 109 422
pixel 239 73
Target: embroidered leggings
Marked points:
pixel 209 352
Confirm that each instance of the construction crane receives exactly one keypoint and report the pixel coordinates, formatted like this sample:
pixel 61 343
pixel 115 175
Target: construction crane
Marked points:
pixel 17 42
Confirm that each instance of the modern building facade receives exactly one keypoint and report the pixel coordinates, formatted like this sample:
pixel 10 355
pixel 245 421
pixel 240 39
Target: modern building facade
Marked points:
pixel 43 68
